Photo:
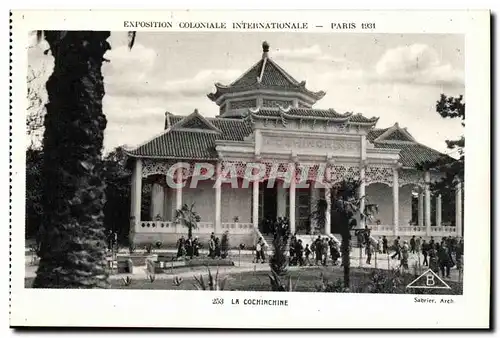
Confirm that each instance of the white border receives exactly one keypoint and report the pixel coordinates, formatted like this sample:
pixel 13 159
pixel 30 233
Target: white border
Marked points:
pixel 133 308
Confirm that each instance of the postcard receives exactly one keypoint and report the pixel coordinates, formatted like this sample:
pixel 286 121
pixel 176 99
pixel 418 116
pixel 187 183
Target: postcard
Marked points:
pixel 306 167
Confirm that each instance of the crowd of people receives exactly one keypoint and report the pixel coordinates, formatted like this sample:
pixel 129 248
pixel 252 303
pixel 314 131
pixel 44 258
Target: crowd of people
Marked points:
pixel 439 256
pixel 189 247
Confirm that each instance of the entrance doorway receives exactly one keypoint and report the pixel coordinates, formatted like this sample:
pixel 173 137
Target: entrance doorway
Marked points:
pixel 267 206
pixel 303 211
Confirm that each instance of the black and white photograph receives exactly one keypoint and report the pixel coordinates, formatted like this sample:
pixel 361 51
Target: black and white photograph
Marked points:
pixel 248 161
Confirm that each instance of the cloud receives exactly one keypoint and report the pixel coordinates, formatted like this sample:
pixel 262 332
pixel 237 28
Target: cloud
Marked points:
pixel 417 64
pixel 313 54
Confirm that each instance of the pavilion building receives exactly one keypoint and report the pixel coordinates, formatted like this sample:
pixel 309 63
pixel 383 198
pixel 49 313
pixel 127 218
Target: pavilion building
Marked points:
pixel 267 116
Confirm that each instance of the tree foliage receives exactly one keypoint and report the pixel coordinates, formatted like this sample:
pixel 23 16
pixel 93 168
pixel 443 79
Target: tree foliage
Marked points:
pixel 347 213
pixel 278 260
pixel 453 169
pixel 118 180
pixel 187 217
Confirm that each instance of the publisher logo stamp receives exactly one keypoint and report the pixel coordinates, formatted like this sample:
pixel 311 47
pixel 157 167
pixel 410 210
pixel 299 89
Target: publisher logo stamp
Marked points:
pixel 428 280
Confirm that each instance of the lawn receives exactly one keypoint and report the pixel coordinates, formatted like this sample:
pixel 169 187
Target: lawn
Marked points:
pixel 303 280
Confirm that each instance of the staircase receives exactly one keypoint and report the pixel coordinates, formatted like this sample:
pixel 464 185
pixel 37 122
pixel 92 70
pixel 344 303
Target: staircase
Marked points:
pixel 268 239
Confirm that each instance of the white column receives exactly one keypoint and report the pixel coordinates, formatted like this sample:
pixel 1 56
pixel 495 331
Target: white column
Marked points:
pixel 292 200
pixel 178 191
pixel 420 208
pixel 438 210
pixel 166 206
pixel 136 192
pixel 395 200
pixel 362 192
pixel 218 197
pixel 281 200
pixel 157 201
pixel 427 209
pixel 458 208
pixel 328 212
pixel 255 206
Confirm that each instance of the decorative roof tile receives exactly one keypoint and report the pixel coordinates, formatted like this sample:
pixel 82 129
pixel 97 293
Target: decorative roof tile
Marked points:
pixel 312 113
pixel 193 144
pixel 412 154
pixel 375 133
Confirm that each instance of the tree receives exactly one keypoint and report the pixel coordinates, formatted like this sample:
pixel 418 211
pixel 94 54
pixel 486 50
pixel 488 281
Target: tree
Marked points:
pixel 453 169
pixel 72 237
pixel 34 211
pixel 117 207
pixel 319 214
pixel 348 214
pixel 188 218
pixel 35 110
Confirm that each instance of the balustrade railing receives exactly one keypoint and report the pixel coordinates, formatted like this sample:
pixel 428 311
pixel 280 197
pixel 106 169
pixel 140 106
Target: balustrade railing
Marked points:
pixel 203 227
pixel 157 226
pixel 412 229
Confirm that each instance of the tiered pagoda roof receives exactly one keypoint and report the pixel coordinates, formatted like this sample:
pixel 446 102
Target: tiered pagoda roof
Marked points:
pixel 265 74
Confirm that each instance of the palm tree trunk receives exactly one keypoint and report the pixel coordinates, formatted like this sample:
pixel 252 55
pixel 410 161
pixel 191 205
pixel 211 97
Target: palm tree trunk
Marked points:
pixel 346 259
pixel 72 252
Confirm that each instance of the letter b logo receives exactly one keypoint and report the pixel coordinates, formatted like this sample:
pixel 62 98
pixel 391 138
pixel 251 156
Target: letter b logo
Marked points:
pixel 429 280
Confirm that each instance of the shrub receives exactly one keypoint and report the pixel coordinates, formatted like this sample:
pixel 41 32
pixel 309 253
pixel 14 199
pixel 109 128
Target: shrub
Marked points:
pixel 127 281
pixel 326 286
pixel 278 260
pixel 385 281
pixel 177 281
pixel 278 285
pixel 213 283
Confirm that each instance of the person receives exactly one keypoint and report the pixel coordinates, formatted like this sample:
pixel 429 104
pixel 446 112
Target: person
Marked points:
pixel 319 250
pixel 335 252
pixel 293 244
pixel 425 251
pixel 217 247
pixel 189 247
pixel 211 246
pixel 459 253
pixel 413 245
pixel 397 249
pixel 299 249
pixel 444 260
pixel 379 245
pixel 404 255
pixel 258 251
pixel 368 252
pixel 196 247
pixel 418 244
pixel 385 245
pixel 324 253
pixel 433 259
pixel 181 249
pixel 307 252
pixel 366 235
pixel 432 244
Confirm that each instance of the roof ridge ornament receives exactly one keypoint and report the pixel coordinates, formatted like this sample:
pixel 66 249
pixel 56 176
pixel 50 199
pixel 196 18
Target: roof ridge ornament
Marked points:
pixel 265 49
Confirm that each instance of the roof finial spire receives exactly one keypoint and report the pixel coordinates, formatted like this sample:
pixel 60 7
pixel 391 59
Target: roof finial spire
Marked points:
pixel 265 49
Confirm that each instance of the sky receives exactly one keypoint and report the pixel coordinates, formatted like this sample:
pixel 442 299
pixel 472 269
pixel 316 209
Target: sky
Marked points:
pixel 396 77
